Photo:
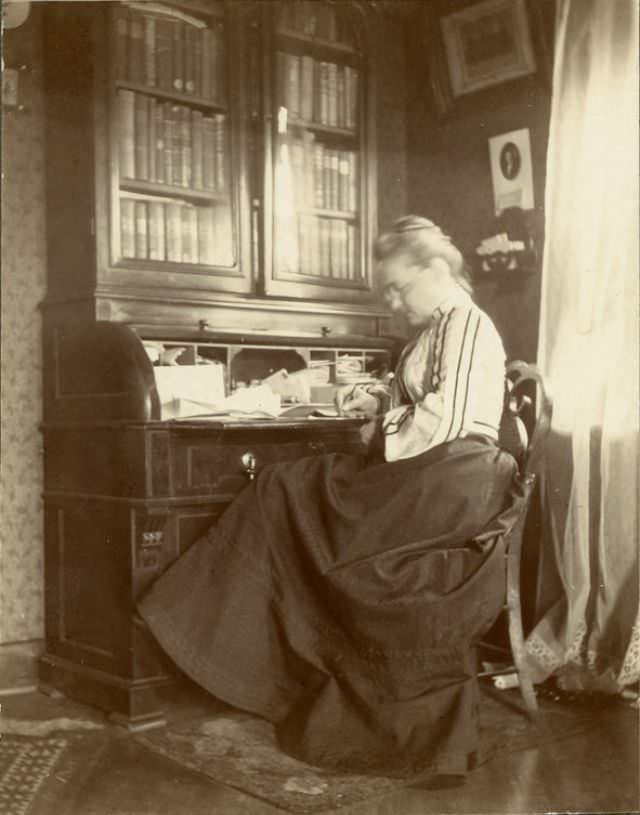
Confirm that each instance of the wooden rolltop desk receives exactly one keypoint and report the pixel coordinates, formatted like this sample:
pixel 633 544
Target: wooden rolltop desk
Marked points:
pixel 211 201
pixel 127 491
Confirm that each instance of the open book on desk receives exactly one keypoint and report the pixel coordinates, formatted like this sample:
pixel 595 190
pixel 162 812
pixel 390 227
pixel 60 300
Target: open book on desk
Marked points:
pixel 190 392
pixel 297 411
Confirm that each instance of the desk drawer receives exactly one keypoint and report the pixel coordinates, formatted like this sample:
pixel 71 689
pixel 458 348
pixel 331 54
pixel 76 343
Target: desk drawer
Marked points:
pixel 206 466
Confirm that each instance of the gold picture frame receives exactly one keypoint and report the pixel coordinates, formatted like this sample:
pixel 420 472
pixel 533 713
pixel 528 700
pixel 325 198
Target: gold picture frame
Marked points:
pixel 487 43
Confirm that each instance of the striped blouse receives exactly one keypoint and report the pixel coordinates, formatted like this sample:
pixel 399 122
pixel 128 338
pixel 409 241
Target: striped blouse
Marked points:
pixel 449 382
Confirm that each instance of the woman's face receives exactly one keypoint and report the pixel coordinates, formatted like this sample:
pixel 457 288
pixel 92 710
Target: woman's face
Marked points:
pixel 410 289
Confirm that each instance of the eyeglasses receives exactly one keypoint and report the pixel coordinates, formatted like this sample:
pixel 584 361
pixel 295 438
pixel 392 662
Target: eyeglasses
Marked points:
pixel 392 291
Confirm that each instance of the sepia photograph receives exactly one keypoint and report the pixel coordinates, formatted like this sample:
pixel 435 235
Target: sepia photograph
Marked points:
pixel 319 407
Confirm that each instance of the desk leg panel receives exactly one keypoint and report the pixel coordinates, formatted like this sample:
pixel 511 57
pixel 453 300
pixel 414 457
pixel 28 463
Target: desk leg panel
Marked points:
pixel 100 555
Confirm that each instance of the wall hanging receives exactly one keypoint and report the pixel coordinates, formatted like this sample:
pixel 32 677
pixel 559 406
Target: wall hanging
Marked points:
pixel 511 174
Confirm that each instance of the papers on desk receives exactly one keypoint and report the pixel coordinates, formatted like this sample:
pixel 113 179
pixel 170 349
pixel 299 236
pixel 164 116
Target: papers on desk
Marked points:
pixel 198 392
pixel 308 411
pixel 189 389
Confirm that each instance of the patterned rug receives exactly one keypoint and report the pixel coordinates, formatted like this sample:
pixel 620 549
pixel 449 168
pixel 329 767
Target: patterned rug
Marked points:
pixel 240 751
pixel 25 764
pixel 36 752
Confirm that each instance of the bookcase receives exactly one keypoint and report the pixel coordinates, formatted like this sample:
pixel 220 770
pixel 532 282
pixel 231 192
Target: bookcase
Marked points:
pixel 322 148
pixel 174 199
pixel 211 162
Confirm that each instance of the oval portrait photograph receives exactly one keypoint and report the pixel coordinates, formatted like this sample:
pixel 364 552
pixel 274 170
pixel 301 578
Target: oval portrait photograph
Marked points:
pixel 510 160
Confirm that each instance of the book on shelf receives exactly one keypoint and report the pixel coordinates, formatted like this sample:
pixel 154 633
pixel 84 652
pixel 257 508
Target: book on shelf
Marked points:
pixel 169 230
pixel 189 232
pixel 173 214
pixel 317 91
pixel 322 247
pixel 189 36
pixel 197 148
pixel 149 50
pixel 352 202
pixel 185 146
pixel 177 54
pixel 341 97
pixel 343 180
pixel 318 176
pixel 307 70
pixel 169 143
pixel 157 237
pixel 351 97
pixel 175 144
pixel 208 153
pixel 292 98
pixel 159 145
pixel 141 230
pixel 323 93
pixel 321 177
pixel 220 157
pixel 163 52
pixel 160 46
pixel 196 45
pixel 126 131
pixel 332 95
pixel 127 228
pixel 141 136
pixel 206 251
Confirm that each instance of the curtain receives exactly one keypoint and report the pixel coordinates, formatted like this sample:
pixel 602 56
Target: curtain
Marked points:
pixel 588 631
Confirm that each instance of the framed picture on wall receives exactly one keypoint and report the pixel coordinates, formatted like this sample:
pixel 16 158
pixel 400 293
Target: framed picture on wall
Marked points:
pixel 487 43
pixel 511 172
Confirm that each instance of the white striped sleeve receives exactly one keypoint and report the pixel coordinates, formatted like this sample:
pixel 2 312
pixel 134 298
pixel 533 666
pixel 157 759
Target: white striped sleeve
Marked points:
pixel 453 363
pixel 440 416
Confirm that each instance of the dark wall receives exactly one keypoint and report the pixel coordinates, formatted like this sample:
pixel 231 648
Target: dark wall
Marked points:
pixel 450 176
pixel 391 118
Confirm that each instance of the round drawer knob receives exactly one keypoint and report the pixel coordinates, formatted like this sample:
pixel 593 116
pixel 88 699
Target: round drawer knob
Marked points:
pixel 249 464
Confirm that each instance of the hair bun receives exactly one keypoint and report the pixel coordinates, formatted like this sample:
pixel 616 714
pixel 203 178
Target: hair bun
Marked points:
pixel 410 222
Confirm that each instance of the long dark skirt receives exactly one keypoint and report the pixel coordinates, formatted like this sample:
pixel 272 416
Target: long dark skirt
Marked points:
pixel 340 599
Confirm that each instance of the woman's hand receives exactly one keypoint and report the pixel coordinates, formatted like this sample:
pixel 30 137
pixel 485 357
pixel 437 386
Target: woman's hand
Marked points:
pixel 353 400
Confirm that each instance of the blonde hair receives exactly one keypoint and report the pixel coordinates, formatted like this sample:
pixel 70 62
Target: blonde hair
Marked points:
pixel 421 241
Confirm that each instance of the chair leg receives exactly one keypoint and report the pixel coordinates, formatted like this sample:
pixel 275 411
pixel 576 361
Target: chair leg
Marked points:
pixel 516 635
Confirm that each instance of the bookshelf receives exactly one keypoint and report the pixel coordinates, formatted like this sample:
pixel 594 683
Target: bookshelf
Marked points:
pixel 174 198
pixel 210 160
pixel 322 151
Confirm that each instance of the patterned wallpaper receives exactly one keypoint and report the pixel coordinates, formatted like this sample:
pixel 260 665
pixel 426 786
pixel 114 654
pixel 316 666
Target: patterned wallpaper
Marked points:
pixel 22 288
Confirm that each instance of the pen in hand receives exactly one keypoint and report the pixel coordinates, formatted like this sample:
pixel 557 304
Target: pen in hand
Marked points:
pixel 355 402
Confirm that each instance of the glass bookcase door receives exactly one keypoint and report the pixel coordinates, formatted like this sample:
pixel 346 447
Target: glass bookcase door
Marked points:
pixel 176 156
pixel 319 138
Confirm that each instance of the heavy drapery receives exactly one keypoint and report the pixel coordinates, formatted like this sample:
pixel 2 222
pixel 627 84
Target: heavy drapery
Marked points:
pixel 588 629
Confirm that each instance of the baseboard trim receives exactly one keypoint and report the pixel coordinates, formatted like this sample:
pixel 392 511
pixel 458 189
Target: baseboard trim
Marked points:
pixel 19 666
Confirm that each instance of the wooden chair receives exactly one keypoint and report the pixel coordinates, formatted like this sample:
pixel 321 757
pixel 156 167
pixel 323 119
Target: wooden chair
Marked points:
pixel 524 427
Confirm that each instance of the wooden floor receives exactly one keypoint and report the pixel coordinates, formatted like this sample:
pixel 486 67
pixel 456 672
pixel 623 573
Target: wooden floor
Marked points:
pixel 595 770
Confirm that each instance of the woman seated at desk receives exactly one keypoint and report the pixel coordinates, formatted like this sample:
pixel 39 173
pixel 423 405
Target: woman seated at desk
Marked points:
pixel 338 596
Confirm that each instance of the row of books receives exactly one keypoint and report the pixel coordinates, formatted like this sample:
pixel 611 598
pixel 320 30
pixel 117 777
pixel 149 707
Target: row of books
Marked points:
pixel 320 247
pixel 313 19
pixel 162 47
pixel 321 92
pixel 171 144
pixel 321 177
pixel 175 231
